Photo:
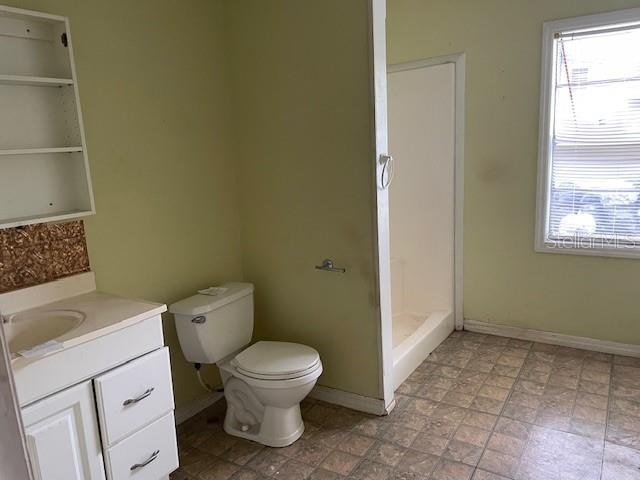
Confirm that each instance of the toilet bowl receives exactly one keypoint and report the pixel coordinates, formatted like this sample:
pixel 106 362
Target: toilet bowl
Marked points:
pixel 263 383
pixel 263 386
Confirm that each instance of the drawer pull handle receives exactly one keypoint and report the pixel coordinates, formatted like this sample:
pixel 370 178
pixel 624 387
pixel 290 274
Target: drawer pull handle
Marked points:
pixel 131 401
pixel 153 456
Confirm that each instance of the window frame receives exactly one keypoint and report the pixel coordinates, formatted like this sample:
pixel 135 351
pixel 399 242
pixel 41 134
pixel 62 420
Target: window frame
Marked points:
pixel 545 131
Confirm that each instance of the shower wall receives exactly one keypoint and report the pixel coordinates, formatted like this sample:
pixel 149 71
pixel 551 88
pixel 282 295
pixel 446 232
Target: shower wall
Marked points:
pixel 422 141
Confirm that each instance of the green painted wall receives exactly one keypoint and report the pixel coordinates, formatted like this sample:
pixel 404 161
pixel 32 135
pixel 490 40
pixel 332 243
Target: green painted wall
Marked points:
pixel 182 98
pixel 302 125
pixel 505 281
pixel 154 98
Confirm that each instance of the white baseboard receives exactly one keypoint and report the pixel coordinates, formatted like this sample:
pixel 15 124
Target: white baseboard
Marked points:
pixel 191 409
pixel 350 400
pixel 585 343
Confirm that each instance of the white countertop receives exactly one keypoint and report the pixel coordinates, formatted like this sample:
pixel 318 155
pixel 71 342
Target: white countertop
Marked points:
pixel 103 314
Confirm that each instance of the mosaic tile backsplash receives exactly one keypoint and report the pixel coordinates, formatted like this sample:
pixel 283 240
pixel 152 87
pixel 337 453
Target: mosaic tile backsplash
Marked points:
pixel 41 253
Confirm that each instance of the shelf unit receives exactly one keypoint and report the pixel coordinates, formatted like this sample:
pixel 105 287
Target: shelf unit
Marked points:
pixel 34 81
pixel 44 169
pixel 27 151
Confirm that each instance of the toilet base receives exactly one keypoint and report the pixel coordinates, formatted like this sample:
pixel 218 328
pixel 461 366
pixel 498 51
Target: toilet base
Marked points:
pixel 279 427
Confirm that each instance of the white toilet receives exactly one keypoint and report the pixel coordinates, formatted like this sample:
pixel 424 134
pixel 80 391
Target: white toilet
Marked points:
pixel 264 383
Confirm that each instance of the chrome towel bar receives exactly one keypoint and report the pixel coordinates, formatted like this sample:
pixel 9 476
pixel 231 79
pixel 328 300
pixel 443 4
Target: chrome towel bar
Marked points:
pixel 328 266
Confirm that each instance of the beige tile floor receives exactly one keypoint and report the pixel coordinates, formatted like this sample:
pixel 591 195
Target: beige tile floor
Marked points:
pixel 481 407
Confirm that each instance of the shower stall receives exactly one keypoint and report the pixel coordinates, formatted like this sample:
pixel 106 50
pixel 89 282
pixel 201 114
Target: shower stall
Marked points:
pixel 422 138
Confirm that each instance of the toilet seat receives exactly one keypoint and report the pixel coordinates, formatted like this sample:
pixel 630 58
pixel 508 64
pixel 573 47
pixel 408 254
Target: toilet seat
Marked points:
pixel 277 361
pixel 274 377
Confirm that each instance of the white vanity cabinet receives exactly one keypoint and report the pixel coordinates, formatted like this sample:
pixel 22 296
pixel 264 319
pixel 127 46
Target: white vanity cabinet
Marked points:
pixel 135 407
pixel 119 425
pixel 62 435
pixel 100 407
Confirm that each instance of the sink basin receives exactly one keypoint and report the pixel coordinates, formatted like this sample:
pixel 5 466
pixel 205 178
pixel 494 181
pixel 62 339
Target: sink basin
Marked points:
pixel 27 330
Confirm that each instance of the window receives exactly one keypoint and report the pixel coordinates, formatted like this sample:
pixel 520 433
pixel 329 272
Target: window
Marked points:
pixel 589 165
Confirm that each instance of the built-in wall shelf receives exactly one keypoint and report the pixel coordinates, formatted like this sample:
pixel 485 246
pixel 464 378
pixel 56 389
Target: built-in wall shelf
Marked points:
pixel 39 151
pixel 52 217
pixel 44 170
pixel 34 81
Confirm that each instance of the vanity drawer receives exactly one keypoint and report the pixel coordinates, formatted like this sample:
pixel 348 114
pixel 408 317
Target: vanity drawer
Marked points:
pixel 134 395
pixel 149 454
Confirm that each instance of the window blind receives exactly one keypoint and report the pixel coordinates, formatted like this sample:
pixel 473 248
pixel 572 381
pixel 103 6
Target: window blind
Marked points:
pixel 594 196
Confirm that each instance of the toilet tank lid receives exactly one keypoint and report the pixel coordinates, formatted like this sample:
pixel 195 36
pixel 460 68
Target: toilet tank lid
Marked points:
pixel 200 304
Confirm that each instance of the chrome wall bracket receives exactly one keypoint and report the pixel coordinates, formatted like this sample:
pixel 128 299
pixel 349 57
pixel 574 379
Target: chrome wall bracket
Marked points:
pixel 328 266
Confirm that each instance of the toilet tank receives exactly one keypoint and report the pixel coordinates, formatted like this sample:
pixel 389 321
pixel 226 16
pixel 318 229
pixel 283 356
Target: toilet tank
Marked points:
pixel 211 327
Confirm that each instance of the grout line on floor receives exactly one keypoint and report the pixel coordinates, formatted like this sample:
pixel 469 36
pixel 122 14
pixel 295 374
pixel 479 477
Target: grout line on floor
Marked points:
pixel 609 408
pixel 513 387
